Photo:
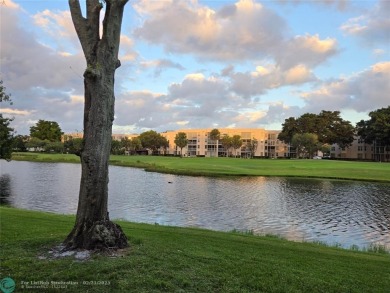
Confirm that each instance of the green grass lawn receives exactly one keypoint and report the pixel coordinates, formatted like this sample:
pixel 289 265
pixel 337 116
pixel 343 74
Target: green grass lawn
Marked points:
pixel 369 171
pixel 175 259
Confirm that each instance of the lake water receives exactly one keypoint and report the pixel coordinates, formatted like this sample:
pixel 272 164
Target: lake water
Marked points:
pixel 345 213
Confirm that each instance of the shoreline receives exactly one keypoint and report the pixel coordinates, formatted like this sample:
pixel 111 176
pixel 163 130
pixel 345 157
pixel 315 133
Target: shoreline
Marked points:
pixel 236 167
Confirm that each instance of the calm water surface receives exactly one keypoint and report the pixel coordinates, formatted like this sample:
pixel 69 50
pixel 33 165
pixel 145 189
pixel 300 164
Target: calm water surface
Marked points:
pixel 336 212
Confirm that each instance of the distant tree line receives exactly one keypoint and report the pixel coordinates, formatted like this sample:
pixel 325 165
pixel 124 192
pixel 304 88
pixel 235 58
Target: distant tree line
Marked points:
pixel 46 136
pixel 310 133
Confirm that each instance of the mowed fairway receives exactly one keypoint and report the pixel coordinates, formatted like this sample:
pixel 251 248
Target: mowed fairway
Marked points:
pixel 368 171
pixel 257 167
pixel 169 259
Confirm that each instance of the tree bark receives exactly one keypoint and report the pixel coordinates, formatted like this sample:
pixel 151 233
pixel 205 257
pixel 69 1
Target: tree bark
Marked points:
pixel 93 228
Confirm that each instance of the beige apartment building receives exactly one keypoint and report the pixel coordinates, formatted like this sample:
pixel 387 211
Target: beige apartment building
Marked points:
pixel 73 135
pixel 200 143
pixel 115 136
pixel 360 150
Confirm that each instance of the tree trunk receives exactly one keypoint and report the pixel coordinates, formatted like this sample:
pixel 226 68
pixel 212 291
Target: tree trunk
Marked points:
pixel 93 228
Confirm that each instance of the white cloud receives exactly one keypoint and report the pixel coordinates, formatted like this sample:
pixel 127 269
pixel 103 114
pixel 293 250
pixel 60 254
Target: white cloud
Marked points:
pixel 195 76
pixel 42 66
pixel 160 65
pixel 200 100
pixel 126 49
pixel 277 112
pixel 373 27
pixel 77 99
pixel 338 4
pixel 250 116
pixel 10 4
pixel 197 101
pixel 307 50
pixel 10 112
pixel 240 31
pixel 245 31
pixel 362 92
pixel 27 63
pixel 142 109
pixel 57 24
pixel 298 74
pixel 40 78
pixel 378 52
pixel 267 77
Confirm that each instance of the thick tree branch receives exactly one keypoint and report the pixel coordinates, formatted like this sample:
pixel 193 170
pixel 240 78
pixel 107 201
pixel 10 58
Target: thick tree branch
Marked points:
pixel 123 2
pixel 112 27
pixel 80 24
pixel 120 2
pixel 87 28
pixel 93 18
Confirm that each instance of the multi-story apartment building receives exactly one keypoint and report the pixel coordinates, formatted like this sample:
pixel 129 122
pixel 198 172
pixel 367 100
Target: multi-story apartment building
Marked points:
pixel 73 135
pixel 361 151
pixel 115 136
pixel 200 143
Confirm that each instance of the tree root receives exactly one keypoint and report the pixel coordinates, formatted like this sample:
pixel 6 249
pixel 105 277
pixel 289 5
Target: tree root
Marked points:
pixel 100 235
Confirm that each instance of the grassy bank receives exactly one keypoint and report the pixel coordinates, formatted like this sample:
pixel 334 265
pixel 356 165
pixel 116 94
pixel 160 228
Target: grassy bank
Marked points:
pixel 183 260
pixel 368 171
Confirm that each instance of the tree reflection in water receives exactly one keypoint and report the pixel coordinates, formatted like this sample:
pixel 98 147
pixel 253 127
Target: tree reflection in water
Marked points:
pixel 5 189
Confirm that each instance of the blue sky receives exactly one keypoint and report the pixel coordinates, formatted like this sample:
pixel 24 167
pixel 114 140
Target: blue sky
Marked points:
pixel 203 64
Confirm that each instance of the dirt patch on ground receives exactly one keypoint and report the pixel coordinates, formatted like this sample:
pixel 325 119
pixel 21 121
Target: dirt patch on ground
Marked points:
pixel 60 251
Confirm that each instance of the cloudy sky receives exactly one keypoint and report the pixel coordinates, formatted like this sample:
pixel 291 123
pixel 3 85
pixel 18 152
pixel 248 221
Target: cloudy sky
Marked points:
pixel 203 64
